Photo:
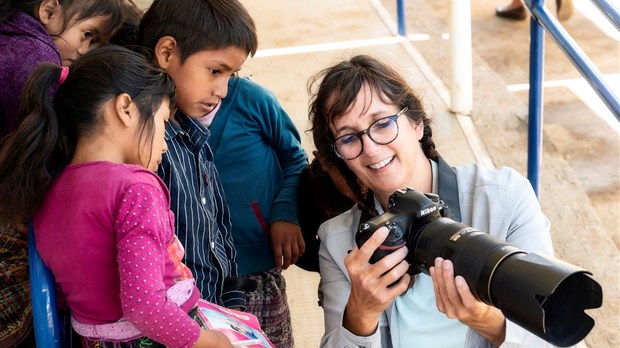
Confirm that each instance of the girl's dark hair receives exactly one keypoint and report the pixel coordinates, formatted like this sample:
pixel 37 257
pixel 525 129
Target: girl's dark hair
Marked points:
pixel 45 141
pixel 198 25
pixel 74 11
pixel 333 92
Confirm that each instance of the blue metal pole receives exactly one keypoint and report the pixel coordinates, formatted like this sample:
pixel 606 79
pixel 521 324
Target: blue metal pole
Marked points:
pixel 534 146
pixel 579 58
pixel 612 13
pixel 400 9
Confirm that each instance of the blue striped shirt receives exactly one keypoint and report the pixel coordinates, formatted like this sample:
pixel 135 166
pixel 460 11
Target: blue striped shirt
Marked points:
pixel 202 218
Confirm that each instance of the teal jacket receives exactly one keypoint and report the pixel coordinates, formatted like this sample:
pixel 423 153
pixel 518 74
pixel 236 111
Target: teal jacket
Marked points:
pixel 258 153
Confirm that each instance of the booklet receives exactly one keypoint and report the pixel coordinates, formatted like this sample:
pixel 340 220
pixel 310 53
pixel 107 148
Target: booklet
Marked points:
pixel 241 328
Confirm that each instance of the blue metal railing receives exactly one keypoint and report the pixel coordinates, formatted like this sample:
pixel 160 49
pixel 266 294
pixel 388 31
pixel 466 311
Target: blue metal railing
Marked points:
pixel 609 11
pixel 542 20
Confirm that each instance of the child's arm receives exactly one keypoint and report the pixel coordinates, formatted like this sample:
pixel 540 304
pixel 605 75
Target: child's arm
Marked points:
pixel 144 228
pixel 286 237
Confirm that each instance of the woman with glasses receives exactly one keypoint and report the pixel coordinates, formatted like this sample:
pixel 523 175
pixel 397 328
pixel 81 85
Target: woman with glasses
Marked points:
pixel 370 124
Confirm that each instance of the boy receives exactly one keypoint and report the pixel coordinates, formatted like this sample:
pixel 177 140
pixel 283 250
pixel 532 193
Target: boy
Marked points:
pixel 258 151
pixel 200 44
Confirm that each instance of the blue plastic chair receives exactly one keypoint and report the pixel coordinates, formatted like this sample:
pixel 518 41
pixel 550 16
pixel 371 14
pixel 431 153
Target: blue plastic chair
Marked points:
pixel 50 328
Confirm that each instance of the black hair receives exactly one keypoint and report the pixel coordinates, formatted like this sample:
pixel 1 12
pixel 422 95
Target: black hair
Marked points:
pixel 44 143
pixel 333 92
pixel 9 7
pixel 73 11
pixel 127 33
pixel 198 25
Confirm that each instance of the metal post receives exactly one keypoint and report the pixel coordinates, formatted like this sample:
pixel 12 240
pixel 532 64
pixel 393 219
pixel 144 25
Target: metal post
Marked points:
pixel 534 146
pixel 459 23
pixel 400 13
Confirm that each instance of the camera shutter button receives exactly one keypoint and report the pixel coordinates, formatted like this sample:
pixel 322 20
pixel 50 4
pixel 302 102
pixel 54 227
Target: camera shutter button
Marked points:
pixel 395 231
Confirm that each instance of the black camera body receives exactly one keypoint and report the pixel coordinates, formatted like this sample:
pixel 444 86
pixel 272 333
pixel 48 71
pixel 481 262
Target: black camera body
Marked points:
pixel 543 295
pixel 408 212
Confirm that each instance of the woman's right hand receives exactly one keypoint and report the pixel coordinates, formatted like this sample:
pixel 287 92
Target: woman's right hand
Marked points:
pixel 370 295
pixel 212 339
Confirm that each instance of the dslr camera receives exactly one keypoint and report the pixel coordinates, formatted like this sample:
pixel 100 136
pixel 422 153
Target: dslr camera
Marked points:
pixel 543 295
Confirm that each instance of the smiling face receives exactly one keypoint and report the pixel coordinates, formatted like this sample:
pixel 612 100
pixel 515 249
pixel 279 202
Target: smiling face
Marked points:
pixel 384 168
pixel 202 79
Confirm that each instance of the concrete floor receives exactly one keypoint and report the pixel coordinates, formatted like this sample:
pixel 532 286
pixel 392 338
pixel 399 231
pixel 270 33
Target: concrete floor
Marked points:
pixel 583 204
pixel 584 131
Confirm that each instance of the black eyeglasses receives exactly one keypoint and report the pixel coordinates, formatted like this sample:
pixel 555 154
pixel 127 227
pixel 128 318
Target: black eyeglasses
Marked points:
pixel 382 131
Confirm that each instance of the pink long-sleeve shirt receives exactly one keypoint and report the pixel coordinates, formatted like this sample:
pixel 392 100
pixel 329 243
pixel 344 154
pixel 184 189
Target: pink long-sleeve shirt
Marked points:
pixel 106 232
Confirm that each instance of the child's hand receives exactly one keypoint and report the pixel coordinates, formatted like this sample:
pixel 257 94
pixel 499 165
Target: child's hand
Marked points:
pixel 212 339
pixel 287 243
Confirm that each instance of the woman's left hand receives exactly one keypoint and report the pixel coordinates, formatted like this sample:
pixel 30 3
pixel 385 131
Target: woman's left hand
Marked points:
pixel 456 301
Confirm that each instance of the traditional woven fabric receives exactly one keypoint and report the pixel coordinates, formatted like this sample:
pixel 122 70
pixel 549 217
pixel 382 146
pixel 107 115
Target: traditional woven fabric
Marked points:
pixel 15 307
pixel 142 342
pixel 270 306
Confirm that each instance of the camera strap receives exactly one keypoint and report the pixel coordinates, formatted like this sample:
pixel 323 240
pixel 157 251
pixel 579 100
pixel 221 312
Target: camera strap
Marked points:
pixel 448 188
pixel 448 191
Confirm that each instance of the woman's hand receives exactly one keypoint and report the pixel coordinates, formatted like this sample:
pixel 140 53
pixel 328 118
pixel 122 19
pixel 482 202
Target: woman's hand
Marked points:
pixel 370 295
pixel 455 300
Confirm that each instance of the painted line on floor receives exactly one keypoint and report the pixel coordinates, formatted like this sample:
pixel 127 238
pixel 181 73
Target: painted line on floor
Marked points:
pixel 582 89
pixel 336 46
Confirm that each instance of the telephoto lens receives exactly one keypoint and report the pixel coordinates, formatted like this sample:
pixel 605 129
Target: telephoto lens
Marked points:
pixel 543 295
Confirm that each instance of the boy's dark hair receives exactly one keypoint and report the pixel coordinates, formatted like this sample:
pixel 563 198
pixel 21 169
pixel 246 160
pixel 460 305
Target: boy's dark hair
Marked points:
pixel 334 90
pixel 198 25
pixel 44 143
pixel 127 33
pixel 73 11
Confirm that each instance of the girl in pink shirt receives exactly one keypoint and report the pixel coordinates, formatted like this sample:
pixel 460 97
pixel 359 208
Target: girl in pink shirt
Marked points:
pixel 81 164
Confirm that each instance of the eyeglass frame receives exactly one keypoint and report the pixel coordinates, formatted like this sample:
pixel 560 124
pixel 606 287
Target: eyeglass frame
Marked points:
pixel 367 132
